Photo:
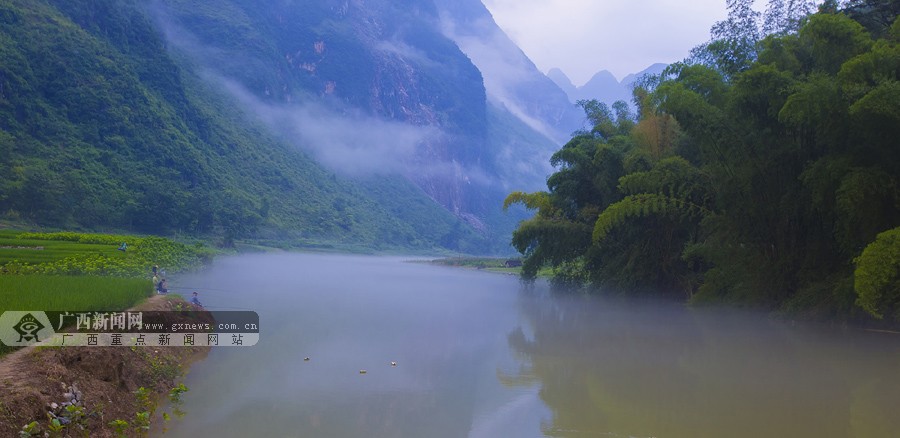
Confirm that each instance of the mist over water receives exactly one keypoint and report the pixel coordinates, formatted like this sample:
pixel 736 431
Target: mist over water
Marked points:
pixel 482 355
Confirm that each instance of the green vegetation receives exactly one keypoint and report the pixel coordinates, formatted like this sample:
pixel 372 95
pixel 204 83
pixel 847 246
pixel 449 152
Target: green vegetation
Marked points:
pixel 80 271
pixel 755 173
pixel 509 266
pixel 104 125
pixel 877 276
pixel 77 424
pixel 35 251
pixel 45 292
pixel 85 271
pixel 95 254
pixel 147 407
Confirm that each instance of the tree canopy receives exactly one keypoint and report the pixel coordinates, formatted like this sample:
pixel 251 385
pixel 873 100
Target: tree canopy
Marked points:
pixel 105 126
pixel 762 171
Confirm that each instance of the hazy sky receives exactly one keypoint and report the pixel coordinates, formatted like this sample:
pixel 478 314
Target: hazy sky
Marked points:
pixel 582 37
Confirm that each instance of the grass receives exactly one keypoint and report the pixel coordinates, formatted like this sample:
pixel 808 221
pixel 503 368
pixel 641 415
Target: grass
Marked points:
pixel 56 292
pixel 67 271
pixel 53 292
pixel 75 293
pixel 488 264
pixel 35 251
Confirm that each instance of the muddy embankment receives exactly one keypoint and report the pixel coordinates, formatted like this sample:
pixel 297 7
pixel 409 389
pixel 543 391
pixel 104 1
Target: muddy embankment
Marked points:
pixel 38 383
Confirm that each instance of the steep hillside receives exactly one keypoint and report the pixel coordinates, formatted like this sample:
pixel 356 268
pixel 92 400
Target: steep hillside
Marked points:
pixel 561 79
pixel 417 106
pixel 383 66
pixel 512 81
pixel 104 125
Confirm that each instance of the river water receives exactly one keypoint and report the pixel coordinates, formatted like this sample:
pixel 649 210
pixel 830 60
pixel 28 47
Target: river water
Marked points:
pixel 482 355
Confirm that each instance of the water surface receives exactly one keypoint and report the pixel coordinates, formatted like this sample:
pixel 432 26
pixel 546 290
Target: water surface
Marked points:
pixel 482 355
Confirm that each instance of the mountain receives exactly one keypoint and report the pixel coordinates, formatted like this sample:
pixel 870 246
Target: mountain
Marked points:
pixel 603 86
pixel 511 80
pixel 562 81
pixel 108 122
pixel 360 123
pixel 654 69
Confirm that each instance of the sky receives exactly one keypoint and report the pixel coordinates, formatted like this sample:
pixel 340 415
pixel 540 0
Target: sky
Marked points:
pixel 582 37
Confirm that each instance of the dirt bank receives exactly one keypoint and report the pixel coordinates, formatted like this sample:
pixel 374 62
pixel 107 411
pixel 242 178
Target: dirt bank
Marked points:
pixel 35 380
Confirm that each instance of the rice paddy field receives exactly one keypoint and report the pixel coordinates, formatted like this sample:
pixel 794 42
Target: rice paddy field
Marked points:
pixel 75 293
pixel 35 251
pixel 69 271
pixel 57 292
pixel 68 253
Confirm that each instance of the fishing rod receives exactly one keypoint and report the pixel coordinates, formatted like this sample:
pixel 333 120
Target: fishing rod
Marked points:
pixel 229 308
pixel 203 288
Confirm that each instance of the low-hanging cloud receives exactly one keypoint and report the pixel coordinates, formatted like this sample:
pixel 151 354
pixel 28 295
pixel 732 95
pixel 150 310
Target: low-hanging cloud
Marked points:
pixel 351 143
pixel 346 140
pixel 357 145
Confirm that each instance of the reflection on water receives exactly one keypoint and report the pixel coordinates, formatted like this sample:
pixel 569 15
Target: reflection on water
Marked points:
pixel 479 356
pixel 657 369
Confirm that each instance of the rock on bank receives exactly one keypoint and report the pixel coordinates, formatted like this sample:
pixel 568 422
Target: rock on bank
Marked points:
pixel 36 381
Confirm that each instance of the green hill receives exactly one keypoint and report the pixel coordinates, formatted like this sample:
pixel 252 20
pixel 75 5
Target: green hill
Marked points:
pixel 104 126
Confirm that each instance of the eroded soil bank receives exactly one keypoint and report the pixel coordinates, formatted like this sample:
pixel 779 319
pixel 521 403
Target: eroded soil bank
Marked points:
pixel 36 381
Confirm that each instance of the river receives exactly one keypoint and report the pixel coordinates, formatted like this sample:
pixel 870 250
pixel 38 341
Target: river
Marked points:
pixel 482 355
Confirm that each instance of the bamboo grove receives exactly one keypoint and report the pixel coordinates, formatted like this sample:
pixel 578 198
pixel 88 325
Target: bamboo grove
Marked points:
pixel 760 172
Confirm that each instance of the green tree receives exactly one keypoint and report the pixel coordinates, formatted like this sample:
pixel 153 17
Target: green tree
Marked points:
pixel 877 276
pixel 756 180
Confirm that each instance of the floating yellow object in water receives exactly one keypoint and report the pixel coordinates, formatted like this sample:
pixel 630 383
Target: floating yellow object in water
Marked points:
pixel 362 371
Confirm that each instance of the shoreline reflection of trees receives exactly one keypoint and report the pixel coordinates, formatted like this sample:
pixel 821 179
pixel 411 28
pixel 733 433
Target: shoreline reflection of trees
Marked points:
pixel 630 367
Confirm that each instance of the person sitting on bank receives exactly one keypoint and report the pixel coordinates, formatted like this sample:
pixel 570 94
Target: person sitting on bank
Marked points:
pixel 196 301
pixel 161 287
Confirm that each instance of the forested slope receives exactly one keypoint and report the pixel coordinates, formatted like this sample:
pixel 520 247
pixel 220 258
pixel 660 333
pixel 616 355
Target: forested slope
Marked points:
pixel 102 126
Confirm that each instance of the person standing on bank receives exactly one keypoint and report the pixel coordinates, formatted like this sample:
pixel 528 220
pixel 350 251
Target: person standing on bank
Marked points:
pixel 196 301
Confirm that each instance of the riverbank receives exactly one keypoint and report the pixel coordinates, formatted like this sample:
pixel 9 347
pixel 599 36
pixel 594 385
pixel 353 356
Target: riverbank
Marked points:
pixel 511 266
pixel 102 382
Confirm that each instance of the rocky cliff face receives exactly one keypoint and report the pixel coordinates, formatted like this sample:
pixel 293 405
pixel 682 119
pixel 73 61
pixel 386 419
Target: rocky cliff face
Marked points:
pixel 393 82
pixel 301 121
pixel 512 81
pixel 380 69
